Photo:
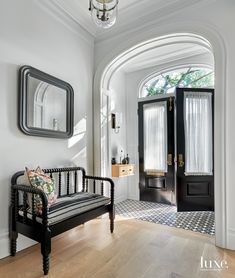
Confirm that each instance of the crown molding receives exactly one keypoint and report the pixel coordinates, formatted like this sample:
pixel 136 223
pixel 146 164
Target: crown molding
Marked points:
pixel 82 16
pixel 132 17
pixel 67 20
pixel 155 15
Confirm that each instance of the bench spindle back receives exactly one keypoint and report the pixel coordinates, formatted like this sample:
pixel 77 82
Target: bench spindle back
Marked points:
pixel 71 180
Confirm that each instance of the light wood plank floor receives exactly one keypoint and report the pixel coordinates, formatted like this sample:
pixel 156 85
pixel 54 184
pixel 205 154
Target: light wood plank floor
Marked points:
pixel 137 249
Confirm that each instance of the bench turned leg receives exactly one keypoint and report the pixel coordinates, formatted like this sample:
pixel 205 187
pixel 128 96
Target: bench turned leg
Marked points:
pixel 111 225
pixel 46 250
pixel 46 261
pixel 111 217
pixel 13 234
pixel 13 245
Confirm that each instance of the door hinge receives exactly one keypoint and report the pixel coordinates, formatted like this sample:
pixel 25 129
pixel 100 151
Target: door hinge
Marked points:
pixel 170 104
pixel 181 160
pixel 169 159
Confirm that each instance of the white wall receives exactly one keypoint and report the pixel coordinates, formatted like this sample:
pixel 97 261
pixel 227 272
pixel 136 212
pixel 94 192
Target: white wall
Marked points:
pixel 118 141
pixel 29 35
pixel 213 20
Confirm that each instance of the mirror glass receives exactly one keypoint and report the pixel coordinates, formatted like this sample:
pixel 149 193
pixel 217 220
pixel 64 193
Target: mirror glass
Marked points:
pixel 46 104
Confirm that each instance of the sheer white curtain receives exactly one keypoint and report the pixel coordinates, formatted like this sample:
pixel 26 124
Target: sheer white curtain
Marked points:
pixel 198 133
pixel 155 137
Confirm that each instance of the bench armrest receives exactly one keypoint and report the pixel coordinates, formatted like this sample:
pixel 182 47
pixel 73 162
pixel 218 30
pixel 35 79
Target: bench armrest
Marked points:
pixel 102 179
pixel 16 188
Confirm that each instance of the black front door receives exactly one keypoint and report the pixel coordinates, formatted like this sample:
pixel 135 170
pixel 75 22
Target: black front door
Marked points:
pixel 195 178
pixel 156 150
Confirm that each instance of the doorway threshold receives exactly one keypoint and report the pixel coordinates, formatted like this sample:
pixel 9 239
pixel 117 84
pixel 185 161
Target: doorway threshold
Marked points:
pixel 196 221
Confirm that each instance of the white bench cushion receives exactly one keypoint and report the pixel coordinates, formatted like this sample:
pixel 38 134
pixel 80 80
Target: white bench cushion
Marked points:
pixel 69 206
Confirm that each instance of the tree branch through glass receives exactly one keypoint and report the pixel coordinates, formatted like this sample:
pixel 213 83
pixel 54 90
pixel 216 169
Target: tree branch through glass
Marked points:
pixel 189 77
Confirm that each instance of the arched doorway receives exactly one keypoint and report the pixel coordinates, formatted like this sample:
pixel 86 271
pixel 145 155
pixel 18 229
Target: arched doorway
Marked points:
pixel 102 83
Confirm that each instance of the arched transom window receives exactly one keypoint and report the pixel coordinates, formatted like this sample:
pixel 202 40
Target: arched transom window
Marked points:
pixel 167 81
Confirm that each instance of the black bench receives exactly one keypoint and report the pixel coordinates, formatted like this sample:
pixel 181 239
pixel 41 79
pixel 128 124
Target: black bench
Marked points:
pixel 73 207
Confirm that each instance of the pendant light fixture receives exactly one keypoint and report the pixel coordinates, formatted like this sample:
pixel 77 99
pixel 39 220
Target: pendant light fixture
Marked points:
pixel 103 12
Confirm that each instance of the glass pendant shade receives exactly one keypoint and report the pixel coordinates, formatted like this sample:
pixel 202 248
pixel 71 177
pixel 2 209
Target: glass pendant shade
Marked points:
pixel 104 12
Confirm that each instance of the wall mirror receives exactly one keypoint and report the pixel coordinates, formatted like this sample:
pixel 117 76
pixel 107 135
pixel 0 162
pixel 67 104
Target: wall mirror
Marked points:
pixel 45 104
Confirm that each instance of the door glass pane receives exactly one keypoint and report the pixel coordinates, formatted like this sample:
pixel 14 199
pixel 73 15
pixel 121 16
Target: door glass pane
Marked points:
pixel 198 133
pixel 155 137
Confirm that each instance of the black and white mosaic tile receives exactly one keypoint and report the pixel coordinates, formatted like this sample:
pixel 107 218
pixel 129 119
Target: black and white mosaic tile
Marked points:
pixel 197 221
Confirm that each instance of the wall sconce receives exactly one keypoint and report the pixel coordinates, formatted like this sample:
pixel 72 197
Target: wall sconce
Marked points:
pixel 115 122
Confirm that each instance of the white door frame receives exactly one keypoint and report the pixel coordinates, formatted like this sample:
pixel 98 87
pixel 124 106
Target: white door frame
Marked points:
pixel 130 49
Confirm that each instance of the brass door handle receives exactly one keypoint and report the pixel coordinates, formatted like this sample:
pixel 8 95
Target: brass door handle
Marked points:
pixel 169 159
pixel 181 160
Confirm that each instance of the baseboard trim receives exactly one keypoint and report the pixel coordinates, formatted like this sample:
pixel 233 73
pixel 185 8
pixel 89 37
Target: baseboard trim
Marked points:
pixel 231 239
pixel 120 199
pixel 22 243
pixel 134 197
pixel 4 243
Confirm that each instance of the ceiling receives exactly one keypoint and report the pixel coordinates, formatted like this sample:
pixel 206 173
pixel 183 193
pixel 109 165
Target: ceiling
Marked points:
pixel 130 12
pixel 167 54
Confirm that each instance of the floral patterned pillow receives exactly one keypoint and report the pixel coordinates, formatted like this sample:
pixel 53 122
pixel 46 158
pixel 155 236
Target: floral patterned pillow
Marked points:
pixel 43 182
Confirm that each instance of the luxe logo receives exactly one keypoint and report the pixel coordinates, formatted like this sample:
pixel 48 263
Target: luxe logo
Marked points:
pixel 213 264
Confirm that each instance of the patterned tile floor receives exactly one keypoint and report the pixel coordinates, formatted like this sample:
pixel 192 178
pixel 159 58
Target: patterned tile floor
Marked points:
pixel 197 221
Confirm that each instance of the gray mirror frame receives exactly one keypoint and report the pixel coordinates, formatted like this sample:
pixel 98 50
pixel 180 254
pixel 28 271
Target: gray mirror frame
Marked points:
pixel 24 72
